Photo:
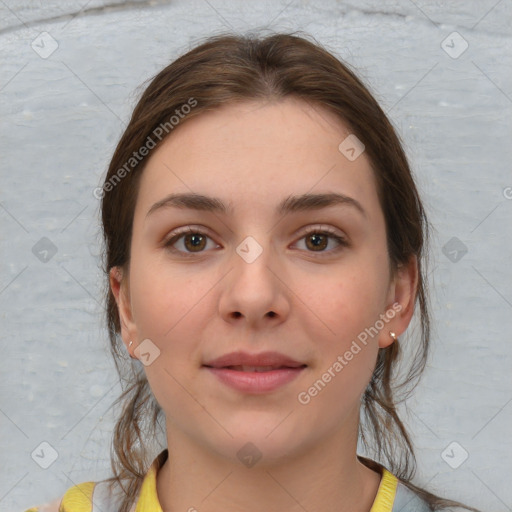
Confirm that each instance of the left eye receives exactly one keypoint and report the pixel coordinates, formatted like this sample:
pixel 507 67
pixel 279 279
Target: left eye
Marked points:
pixel 318 240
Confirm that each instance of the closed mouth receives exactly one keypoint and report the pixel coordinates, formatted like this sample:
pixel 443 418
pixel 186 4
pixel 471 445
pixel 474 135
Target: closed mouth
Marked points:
pixel 244 368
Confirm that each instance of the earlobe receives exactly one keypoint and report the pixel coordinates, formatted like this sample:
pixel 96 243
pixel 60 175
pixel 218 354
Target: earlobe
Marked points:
pixel 390 338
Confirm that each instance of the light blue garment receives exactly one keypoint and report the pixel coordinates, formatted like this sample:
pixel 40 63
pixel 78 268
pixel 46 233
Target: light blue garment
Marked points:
pixel 407 500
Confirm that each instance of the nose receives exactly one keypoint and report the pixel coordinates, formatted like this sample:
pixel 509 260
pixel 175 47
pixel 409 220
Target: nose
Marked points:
pixel 255 291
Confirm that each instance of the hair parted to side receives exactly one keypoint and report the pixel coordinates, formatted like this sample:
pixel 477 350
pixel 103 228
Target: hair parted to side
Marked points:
pixel 225 69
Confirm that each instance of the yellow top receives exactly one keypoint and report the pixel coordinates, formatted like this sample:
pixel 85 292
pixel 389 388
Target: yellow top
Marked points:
pixel 79 497
pixel 386 493
pixel 148 498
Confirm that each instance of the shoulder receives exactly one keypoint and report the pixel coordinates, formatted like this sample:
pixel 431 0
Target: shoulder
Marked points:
pixel 105 495
pixel 48 507
pixel 406 500
pixel 79 498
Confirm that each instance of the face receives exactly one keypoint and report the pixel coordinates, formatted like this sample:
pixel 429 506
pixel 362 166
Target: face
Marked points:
pixel 260 266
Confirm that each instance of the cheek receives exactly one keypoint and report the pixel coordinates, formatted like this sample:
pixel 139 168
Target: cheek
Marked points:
pixel 350 299
pixel 349 304
pixel 166 300
pixel 347 351
pixel 170 309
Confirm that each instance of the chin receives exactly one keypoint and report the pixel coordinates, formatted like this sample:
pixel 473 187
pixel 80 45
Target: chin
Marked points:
pixel 262 441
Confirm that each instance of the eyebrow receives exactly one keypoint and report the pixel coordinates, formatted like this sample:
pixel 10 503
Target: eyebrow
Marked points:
pixel 291 204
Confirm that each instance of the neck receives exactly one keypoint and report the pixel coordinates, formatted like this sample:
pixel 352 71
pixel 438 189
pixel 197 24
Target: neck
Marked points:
pixel 327 476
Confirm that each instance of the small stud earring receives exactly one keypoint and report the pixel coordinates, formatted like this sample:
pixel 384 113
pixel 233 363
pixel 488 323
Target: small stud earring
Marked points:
pixel 393 335
pixel 130 344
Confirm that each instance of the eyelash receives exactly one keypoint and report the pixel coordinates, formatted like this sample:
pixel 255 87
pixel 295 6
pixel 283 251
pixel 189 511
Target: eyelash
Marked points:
pixel 343 243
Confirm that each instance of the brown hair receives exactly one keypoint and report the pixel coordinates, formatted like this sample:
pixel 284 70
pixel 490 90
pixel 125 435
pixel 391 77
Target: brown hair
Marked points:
pixel 226 69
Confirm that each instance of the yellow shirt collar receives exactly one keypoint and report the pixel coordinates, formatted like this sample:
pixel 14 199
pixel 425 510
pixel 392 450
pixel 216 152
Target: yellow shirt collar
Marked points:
pixel 148 497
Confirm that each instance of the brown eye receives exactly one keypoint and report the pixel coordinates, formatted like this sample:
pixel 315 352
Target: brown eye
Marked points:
pixel 318 241
pixel 194 242
pixel 188 241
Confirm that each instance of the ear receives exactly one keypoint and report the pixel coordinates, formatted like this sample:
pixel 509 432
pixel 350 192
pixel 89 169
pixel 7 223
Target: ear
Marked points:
pixel 119 284
pixel 401 301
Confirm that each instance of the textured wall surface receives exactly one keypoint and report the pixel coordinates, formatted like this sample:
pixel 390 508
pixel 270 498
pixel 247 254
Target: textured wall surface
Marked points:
pixel 69 77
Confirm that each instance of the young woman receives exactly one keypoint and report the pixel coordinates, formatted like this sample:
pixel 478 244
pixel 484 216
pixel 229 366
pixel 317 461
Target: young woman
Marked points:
pixel 264 245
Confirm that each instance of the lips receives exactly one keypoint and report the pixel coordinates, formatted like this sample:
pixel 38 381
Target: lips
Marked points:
pixel 255 374
pixel 262 362
pixel 242 368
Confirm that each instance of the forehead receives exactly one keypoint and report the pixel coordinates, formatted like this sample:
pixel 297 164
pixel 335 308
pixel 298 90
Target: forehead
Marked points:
pixel 252 154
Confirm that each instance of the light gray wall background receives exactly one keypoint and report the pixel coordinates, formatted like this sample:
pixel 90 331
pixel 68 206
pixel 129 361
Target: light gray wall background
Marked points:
pixel 69 73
